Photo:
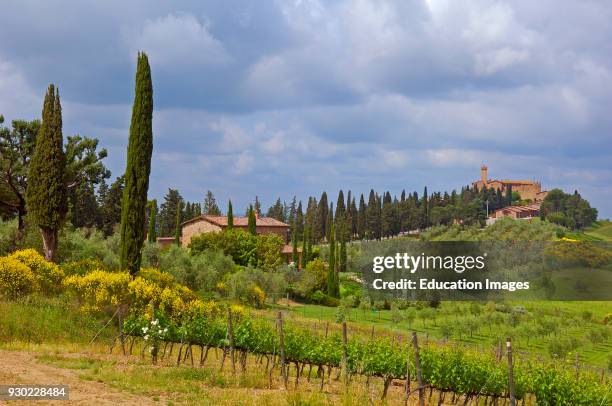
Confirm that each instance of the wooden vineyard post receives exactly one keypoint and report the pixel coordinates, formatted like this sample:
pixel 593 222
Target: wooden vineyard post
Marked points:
pixel 577 364
pixel 281 341
pixel 344 355
pixel 510 372
pixel 417 365
pixel 230 333
pixel 326 329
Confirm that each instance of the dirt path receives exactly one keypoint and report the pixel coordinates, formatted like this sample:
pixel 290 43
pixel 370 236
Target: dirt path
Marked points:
pixel 20 367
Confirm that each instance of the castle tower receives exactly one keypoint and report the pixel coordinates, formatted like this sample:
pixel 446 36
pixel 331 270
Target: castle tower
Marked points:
pixel 484 174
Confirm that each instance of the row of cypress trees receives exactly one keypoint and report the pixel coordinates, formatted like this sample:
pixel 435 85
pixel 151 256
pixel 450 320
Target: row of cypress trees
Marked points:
pixel 47 191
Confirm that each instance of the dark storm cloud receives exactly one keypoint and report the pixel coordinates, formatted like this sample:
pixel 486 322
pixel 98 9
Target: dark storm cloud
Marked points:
pixel 293 97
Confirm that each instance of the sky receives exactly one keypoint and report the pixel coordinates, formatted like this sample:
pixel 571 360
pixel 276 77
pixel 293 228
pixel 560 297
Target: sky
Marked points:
pixel 284 98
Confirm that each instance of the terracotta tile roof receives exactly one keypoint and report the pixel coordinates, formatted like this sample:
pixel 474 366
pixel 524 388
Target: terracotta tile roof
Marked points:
pixel 221 221
pixel 520 209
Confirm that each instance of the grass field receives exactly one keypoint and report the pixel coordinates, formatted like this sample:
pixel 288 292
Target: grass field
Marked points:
pixel 600 231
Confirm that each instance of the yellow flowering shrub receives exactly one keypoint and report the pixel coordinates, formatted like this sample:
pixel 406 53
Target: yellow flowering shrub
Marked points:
pixel 257 297
pixel 199 307
pixel 163 279
pixel 48 274
pixel 16 279
pixel 238 310
pixel 143 293
pixel 99 290
pixel 171 303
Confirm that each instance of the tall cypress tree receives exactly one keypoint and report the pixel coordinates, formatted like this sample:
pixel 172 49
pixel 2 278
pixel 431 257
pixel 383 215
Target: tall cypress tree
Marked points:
pixel 46 190
pixel 425 209
pixel 138 168
pixel 252 225
pixel 305 249
pixel 509 195
pixel 230 216
pixel 294 245
pixel 331 277
pixel 342 257
pixel 177 225
pixel 152 234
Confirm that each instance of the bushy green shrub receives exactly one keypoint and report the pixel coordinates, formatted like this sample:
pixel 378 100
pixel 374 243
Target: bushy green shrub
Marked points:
pixel 252 285
pixel 82 267
pixel 313 278
pixel 262 251
pixel 8 235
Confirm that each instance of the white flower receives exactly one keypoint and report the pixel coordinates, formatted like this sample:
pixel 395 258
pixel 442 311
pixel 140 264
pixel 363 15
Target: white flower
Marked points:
pixel 145 329
pixel 146 337
pixel 154 322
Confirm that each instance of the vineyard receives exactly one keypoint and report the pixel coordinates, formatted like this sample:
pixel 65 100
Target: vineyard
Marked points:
pixel 468 376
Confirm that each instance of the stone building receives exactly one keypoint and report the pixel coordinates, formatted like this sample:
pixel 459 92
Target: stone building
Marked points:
pixel 263 225
pixel 516 212
pixel 207 224
pixel 527 189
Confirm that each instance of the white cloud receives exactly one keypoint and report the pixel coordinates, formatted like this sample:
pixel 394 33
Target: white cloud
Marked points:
pixel 244 163
pixel 177 41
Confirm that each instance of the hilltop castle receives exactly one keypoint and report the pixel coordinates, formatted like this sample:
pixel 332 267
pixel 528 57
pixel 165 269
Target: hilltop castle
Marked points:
pixel 529 190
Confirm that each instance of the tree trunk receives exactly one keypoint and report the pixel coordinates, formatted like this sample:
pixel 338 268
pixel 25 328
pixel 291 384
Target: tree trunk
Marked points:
pixel 49 238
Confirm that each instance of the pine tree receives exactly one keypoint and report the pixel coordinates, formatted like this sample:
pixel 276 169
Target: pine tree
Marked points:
pixel 252 225
pixel 177 229
pixel 230 216
pixel 210 204
pixel 167 213
pixel 331 260
pixel 138 168
pixel 152 234
pixel 46 190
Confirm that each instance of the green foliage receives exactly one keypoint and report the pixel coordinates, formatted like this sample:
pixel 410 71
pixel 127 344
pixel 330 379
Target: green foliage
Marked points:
pixel 152 234
pixel 571 211
pixel 46 191
pixel 261 251
pixel 252 224
pixel 138 168
pixel 250 286
pixel 230 215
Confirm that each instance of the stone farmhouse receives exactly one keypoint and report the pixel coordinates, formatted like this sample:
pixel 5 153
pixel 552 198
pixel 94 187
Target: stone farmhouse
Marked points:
pixel 529 190
pixel 516 212
pixel 264 225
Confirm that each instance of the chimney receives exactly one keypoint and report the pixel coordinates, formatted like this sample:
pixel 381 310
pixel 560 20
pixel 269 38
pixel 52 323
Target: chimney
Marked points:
pixel 484 175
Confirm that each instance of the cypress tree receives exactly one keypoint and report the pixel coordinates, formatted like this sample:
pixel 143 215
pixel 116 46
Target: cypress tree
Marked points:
pixel 294 255
pixel 152 221
pixel 230 216
pixel 46 190
pixel 177 229
pixel 138 168
pixel 509 195
pixel 329 222
pixel 252 225
pixel 305 249
pixel 342 257
pixel 331 277
pixel 425 209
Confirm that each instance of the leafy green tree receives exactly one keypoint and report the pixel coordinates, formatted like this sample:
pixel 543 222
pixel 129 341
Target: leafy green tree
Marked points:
pixel 230 216
pixel 110 206
pixel 210 204
pixel 138 168
pixel 252 224
pixel 83 171
pixel 152 234
pixel 46 190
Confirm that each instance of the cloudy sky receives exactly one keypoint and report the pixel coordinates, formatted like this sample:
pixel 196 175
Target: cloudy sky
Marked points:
pixel 295 97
